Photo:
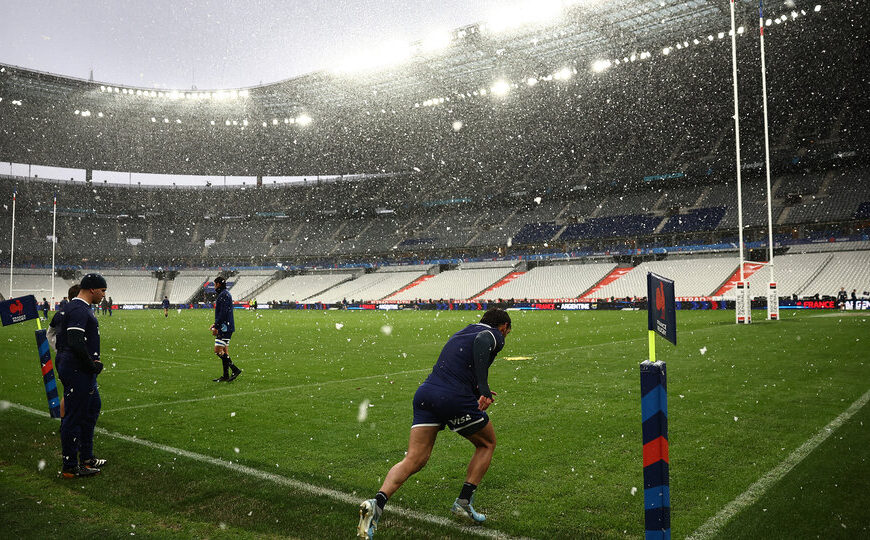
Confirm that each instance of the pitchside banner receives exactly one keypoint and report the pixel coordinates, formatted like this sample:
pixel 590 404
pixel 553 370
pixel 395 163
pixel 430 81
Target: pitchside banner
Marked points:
pixel 18 310
pixel 661 309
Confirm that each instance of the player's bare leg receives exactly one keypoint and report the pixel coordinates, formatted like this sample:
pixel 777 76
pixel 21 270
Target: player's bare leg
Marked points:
pixel 484 447
pixel 420 443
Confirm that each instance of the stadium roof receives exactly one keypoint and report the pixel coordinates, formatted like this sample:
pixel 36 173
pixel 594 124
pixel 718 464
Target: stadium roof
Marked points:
pixel 571 34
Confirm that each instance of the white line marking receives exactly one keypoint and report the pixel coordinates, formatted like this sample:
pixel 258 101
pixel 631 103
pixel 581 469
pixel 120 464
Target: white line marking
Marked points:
pixel 288 482
pixel 755 491
pixel 262 391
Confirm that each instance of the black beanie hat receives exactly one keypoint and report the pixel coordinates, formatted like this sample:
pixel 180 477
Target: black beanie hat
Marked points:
pixel 93 281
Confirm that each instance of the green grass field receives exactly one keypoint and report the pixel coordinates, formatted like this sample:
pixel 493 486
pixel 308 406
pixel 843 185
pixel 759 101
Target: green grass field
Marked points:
pixel 294 458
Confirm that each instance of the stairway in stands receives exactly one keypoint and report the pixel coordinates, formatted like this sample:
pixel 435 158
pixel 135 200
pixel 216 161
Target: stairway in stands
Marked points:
pixel 503 281
pixel 749 268
pixel 614 274
pixel 414 283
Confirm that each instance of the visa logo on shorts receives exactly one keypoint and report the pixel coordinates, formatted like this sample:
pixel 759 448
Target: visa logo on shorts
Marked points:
pixel 461 419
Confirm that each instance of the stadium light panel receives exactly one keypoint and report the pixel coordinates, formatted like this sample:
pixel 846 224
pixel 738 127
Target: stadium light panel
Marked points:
pixel 817 9
pixel 153 119
pixel 303 120
pixel 212 122
pixel 531 81
pixel 666 51
pixel 286 120
pixel 274 122
pixel 99 115
pixel 457 125
pixel 265 124
pixel 600 66
pixel 102 88
pixel 245 122
pixel 227 122
pixel 166 120
pixel 500 88
pixel 563 74
pixel 76 112
pixel 244 93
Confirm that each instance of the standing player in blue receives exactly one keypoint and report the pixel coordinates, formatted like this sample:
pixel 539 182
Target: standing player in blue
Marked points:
pixel 165 305
pixel 78 364
pixel 455 394
pixel 223 329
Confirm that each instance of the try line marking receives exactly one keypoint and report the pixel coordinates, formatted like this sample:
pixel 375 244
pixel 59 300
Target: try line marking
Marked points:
pixel 262 391
pixel 755 491
pixel 304 487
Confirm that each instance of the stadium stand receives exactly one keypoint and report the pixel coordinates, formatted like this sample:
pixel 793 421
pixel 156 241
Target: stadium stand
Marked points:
pixel 793 273
pixel 129 286
pixel 186 284
pixel 368 287
pixel 850 270
pixel 301 287
pixel 457 284
pixel 551 282
pixel 692 277
pixel 246 282
pixel 32 281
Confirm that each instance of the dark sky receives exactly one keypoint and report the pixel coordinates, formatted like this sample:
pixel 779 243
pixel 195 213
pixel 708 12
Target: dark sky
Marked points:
pixel 214 43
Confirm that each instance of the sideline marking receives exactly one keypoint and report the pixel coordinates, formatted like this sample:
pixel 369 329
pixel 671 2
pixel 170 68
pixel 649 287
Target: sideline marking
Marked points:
pixel 262 391
pixel 288 482
pixel 756 490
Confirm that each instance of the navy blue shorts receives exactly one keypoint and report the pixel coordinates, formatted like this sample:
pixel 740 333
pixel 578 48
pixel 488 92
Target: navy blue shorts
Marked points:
pixel 436 406
pixel 222 340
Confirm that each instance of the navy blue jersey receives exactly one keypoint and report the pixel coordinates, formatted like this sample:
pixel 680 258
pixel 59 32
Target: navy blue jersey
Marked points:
pixel 78 317
pixel 454 369
pixel 223 313
pixel 165 303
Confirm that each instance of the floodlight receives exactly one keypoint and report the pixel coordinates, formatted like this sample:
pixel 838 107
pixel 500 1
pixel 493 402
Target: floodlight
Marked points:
pixel 77 112
pixel 166 120
pixel 153 119
pixel 667 50
pixel 265 124
pixel 102 88
pixel 212 122
pixel 457 125
pixel 227 122
pixel 817 9
pixel 178 120
pixel 235 122
pixel 245 122
pixel 99 114
pixel 244 93
pixel 303 120
pixel 531 81
pixel 274 122
pixel 500 88
pixel 562 74
pixel 601 65
pixel 286 120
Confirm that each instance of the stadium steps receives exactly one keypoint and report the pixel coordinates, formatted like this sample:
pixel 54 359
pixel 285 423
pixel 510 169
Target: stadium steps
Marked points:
pixel 414 283
pixel 158 293
pixel 812 278
pixel 657 206
pixel 660 226
pixel 784 215
pixel 167 290
pixel 559 233
pixel 318 293
pixel 503 281
pixel 612 276
pixel 749 268
pixel 276 277
pixel 826 183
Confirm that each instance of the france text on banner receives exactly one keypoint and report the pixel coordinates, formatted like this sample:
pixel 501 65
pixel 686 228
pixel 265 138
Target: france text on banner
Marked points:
pixel 16 310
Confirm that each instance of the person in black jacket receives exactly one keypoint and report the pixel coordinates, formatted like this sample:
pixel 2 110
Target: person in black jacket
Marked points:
pixel 78 364
pixel 223 329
